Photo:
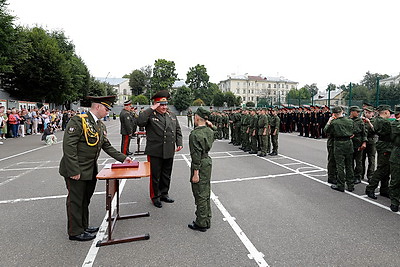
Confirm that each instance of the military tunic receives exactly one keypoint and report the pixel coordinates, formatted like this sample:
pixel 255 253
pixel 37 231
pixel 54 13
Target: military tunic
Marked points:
pixel 369 152
pixel 128 127
pixel 190 117
pixel 395 164
pixel 274 123
pixel 360 136
pixel 263 127
pixel 200 143
pixel 80 154
pixel 253 133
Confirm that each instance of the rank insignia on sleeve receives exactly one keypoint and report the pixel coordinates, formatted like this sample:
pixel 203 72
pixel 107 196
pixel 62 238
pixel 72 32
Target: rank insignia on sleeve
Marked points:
pixel 71 130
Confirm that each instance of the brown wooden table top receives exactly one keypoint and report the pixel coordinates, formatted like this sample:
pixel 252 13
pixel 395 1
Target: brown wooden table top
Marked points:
pixel 125 173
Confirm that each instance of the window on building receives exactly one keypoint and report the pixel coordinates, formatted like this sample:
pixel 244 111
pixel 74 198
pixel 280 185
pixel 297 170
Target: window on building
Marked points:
pixel 238 83
pixel 274 85
pixel 269 85
pixel 237 91
pixel 244 98
pixel 249 91
pixel 287 86
pixel 292 86
pixel 252 91
pixel 124 92
pixel 244 91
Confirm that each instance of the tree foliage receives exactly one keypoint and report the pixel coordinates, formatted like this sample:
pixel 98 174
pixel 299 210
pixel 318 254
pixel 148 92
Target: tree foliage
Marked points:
pixel 219 99
pixel 137 82
pixel 182 98
pixel 369 80
pixel 198 102
pixel 250 104
pixel 140 100
pixel 164 75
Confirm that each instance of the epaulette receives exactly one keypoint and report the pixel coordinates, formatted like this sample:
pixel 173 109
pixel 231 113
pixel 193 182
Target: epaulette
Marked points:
pixel 82 115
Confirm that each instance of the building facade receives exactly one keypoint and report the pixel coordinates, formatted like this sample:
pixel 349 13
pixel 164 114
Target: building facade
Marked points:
pixel 390 81
pixel 121 86
pixel 254 88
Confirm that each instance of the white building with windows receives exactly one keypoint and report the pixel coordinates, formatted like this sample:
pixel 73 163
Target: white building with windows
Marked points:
pixel 121 86
pixel 390 81
pixel 253 88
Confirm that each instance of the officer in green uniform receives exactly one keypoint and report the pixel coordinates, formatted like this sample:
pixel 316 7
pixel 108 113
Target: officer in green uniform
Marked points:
pixel 189 115
pixel 84 138
pixel 263 132
pixel 394 186
pixel 274 124
pixel 359 142
pixel 370 150
pixel 331 166
pixel 225 130
pixel 384 148
pixel 163 134
pixel 244 122
pixel 253 133
pixel 200 143
pixel 237 126
pixel 341 129
pixel 127 126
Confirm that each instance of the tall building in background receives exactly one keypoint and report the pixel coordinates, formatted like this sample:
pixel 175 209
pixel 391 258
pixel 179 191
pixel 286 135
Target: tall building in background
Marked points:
pixel 121 86
pixel 255 88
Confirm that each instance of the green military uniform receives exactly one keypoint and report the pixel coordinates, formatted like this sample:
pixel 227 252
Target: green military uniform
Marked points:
pixel 360 136
pixel 394 187
pixel 163 133
pixel 369 151
pixel 189 115
pixel 253 133
pixel 341 129
pixel 225 127
pixel 274 123
pixel 263 132
pixel 331 167
pixel 200 143
pixel 384 148
pixel 83 140
pixel 244 122
pixel 127 128
pixel 237 126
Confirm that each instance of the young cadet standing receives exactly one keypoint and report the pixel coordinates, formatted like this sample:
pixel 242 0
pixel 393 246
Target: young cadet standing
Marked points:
pixel 341 129
pixel 200 143
pixel 274 124
pixel 263 132
pixel 189 115
pixel 163 134
pixel 128 124
pixel 394 186
pixel 84 137
pixel 370 150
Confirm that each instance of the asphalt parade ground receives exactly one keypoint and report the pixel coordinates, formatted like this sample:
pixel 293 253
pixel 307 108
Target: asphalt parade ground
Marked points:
pixel 271 211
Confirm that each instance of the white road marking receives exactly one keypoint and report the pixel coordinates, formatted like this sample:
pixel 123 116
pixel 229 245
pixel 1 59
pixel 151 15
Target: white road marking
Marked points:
pixel 21 174
pixel 254 254
pixel 11 201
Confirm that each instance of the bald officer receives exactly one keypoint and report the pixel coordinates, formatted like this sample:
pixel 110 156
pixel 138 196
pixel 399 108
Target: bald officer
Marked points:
pixel 164 138
pixel 84 138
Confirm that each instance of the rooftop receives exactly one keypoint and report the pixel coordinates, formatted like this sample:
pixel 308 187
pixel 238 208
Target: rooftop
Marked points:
pixel 112 81
pixel 259 78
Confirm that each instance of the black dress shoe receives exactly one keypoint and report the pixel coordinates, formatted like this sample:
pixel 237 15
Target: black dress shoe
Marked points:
pixel 350 189
pixel 253 152
pixel 332 181
pixel 92 229
pixel 195 227
pixel 273 154
pixel 384 195
pixel 83 237
pixel 371 195
pixel 167 199
pixel 357 181
pixel 129 153
pixel 335 187
pixel 394 208
pixel 157 203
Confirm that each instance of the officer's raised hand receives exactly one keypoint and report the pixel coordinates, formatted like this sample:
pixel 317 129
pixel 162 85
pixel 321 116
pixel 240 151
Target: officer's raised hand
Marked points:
pixel 155 106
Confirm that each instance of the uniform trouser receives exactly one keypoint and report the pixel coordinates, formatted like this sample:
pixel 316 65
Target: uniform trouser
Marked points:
pixel 160 178
pixel 394 187
pixel 369 152
pixel 300 128
pixel 357 164
pixel 78 199
pixel 201 192
pixel 125 143
pixel 233 137
pixel 344 169
pixel 381 174
pixel 238 132
pixel 244 137
pixel 274 141
pixel 253 140
pixel 331 167
pixel 306 130
pixel 226 132
pixel 219 129
pixel 190 121
pixel 263 143
pixel 247 140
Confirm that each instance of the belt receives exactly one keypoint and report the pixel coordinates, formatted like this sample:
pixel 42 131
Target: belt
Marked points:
pixel 343 138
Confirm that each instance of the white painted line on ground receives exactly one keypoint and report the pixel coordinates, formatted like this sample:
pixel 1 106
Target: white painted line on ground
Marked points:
pixel 293 163
pixel 253 178
pixel 25 152
pixel 11 201
pixel 21 174
pixel 102 233
pixel 254 254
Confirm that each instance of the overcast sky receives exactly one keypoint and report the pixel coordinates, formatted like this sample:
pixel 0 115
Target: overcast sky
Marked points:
pixel 307 41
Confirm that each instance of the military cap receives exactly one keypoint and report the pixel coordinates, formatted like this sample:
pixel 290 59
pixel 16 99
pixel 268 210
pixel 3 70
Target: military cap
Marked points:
pixel 337 109
pixel 128 103
pixel 397 110
pixel 161 97
pixel 369 108
pixel 275 109
pixel 203 113
pixel 106 101
pixel 355 108
pixel 385 107
pixel 367 104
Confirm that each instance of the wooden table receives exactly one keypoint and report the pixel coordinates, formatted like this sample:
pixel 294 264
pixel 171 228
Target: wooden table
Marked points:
pixel 112 177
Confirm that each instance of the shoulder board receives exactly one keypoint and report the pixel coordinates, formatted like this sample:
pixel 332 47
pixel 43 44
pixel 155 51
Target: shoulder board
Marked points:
pixel 82 115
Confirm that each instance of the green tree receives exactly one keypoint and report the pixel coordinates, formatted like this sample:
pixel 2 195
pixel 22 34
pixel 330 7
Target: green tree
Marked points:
pixel 198 80
pixel 140 100
pixel 369 80
pixel 238 101
pixel 313 89
pixel 198 102
pixel 219 99
pixel 182 98
pixel 250 104
pixel 230 99
pixel 164 75
pixel 137 81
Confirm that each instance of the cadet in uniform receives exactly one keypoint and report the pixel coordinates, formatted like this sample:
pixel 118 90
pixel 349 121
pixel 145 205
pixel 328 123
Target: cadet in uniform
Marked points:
pixel 341 129
pixel 253 134
pixel 359 142
pixel 190 117
pixel 274 124
pixel 384 148
pixel 128 124
pixel 394 187
pixel 163 133
pixel 370 150
pixel 84 137
pixel 200 143
pixel 263 132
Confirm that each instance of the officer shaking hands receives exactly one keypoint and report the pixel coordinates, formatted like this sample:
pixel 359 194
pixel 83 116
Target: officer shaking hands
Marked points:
pixel 84 138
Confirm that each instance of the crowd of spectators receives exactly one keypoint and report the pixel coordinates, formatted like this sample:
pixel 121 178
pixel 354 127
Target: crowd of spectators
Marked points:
pixel 15 123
